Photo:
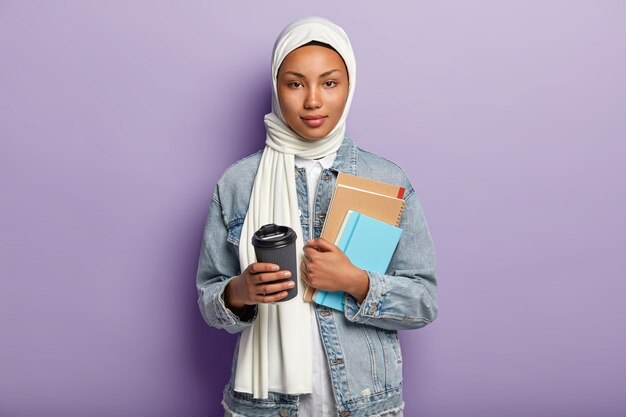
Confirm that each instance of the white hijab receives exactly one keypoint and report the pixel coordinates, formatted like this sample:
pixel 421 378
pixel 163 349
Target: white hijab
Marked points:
pixel 275 352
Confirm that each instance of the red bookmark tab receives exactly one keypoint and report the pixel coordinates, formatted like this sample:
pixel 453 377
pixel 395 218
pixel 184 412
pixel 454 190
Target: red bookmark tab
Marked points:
pixel 401 192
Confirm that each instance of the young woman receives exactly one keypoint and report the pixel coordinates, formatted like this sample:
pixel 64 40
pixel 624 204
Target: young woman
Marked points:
pixel 298 358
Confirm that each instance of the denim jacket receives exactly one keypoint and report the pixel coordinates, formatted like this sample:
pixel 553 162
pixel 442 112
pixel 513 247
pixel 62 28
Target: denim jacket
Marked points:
pixel 361 343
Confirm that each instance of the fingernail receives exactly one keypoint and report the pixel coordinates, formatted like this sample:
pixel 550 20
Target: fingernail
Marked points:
pixel 275 268
pixel 291 284
pixel 287 274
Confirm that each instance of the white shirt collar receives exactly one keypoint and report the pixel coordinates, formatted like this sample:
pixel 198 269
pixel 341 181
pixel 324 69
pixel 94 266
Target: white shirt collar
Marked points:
pixel 326 162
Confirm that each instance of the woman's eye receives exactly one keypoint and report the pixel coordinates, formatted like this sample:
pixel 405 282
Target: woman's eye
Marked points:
pixel 295 84
pixel 330 83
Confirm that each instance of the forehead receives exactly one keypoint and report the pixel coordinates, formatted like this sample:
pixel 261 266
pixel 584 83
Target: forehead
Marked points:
pixel 312 58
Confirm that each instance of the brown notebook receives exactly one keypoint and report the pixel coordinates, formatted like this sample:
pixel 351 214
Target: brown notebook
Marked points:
pixel 370 185
pixel 376 199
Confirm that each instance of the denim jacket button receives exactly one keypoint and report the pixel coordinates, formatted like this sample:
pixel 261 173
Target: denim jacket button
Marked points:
pixel 284 413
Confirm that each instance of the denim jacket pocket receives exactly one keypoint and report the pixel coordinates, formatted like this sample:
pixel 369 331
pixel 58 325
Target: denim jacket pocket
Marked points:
pixel 393 356
pixel 395 341
pixel 234 231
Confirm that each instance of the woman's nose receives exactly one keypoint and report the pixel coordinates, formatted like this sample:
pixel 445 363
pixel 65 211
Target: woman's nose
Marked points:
pixel 313 99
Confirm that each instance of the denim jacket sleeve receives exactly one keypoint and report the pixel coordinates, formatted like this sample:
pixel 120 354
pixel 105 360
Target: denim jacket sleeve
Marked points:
pixel 218 265
pixel 407 297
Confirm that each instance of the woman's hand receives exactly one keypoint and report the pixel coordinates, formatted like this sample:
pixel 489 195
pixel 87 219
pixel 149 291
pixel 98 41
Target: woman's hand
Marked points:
pixel 327 268
pixel 255 286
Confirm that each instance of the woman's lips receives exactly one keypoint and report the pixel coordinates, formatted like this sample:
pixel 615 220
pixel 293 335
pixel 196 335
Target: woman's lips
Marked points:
pixel 313 121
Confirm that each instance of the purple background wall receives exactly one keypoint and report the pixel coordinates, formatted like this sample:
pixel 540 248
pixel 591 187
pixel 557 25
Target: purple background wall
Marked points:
pixel 117 119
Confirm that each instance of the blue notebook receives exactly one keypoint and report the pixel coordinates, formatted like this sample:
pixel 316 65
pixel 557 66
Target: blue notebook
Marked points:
pixel 368 243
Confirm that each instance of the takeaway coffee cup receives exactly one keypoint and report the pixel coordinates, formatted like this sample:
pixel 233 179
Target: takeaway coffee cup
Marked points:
pixel 277 244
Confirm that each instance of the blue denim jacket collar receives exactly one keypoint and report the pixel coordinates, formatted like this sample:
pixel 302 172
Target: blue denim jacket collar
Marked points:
pixel 346 157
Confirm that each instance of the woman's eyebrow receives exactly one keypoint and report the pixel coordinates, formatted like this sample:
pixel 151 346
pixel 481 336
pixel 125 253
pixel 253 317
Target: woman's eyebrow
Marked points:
pixel 327 73
pixel 297 74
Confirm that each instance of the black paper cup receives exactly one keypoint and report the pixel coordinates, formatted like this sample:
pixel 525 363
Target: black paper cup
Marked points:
pixel 277 245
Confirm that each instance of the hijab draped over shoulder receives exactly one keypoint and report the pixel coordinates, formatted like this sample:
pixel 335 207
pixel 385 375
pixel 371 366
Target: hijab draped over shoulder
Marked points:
pixel 275 353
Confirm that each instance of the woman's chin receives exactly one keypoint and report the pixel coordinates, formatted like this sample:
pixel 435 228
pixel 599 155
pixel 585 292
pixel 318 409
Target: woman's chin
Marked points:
pixel 312 135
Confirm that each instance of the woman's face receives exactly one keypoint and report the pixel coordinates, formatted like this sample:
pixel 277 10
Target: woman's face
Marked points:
pixel 312 86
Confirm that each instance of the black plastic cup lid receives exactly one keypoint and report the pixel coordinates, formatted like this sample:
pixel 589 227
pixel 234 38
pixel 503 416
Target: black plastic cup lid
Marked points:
pixel 273 236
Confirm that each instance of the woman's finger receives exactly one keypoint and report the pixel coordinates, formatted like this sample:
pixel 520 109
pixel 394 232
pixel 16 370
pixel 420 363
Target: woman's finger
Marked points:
pixel 308 251
pixel 271 288
pixel 259 267
pixel 272 298
pixel 270 276
pixel 321 245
